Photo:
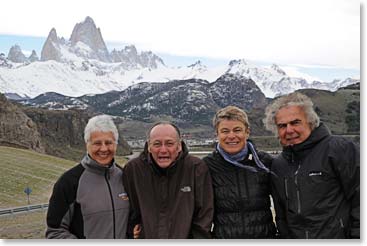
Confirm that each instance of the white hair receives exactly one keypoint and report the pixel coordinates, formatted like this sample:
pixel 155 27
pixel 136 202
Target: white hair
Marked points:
pixel 100 123
pixel 292 99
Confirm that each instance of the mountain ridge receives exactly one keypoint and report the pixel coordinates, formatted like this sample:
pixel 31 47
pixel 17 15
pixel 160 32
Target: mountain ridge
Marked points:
pixel 83 65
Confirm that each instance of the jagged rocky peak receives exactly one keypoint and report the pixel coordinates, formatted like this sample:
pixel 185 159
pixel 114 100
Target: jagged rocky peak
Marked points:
pixel 198 66
pixel 198 63
pixel 51 48
pixel 87 33
pixel 33 57
pixel 237 62
pixel 4 62
pixel 150 60
pixel 130 50
pixel 231 76
pixel 130 56
pixel 52 36
pixel 276 68
pixel 16 54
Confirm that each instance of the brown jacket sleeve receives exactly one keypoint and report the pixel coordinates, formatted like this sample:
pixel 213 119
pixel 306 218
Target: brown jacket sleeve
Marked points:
pixel 134 213
pixel 204 203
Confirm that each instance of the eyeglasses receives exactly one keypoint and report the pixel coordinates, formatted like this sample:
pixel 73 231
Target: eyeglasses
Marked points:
pixel 158 144
pixel 98 144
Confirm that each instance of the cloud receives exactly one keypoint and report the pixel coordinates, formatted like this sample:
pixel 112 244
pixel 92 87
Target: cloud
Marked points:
pixel 27 52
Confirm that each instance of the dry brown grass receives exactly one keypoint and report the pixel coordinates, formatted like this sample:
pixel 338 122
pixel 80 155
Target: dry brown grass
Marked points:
pixel 28 225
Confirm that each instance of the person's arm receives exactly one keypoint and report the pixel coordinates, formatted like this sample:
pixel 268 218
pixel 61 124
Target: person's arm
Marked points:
pixel 60 213
pixel 345 158
pixel 280 199
pixel 204 203
pixel 280 214
pixel 134 227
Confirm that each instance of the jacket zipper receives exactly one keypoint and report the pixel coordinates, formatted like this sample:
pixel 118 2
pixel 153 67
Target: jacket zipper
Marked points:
pixel 298 190
pixel 107 177
pixel 286 193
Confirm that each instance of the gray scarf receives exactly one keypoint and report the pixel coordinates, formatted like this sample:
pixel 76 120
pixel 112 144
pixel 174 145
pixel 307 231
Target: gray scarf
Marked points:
pixel 234 159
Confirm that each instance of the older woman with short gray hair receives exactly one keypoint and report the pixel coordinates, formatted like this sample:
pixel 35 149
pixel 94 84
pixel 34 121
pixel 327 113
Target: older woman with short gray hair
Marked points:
pixel 89 200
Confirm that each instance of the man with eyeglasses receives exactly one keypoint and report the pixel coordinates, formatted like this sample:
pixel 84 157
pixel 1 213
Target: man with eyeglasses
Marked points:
pixel 89 200
pixel 170 191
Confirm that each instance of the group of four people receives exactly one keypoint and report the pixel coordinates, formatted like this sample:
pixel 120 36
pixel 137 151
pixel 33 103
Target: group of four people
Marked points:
pixel 167 193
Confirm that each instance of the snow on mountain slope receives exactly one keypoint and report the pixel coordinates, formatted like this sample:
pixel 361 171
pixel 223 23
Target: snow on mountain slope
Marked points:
pixel 79 76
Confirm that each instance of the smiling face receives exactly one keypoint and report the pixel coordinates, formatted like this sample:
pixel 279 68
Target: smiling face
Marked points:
pixel 292 125
pixel 102 147
pixel 164 145
pixel 232 135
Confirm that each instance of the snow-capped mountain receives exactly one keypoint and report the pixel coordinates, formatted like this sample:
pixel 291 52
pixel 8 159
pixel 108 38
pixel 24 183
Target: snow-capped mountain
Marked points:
pixel 16 55
pixel 86 44
pixel 82 65
pixel 86 33
pixel 192 100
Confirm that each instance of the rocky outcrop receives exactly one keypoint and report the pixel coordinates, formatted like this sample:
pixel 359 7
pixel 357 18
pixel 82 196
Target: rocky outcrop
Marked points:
pixel 54 132
pixel 17 129
pixel 231 89
pixel 150 60
pixel 51 48
pixel 130 57
pixel 4 62
pixel 16 54
pixel 33 57
pixel 63 132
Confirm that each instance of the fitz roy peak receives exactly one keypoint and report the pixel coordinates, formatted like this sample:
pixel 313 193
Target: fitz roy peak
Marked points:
pixel 88 34
pixel 86 45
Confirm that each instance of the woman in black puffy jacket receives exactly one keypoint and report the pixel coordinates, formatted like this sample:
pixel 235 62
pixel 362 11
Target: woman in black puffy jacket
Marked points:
pixel 241 180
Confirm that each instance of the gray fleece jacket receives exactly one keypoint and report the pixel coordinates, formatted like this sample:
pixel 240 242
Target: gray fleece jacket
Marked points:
pixel 88 201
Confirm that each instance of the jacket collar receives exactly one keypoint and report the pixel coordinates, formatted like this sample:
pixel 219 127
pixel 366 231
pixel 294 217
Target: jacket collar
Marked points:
pixel 93 166
pixel 299 151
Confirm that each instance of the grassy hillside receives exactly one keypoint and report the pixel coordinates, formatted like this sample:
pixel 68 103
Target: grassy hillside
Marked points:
pixel 21 168
pixel 340 110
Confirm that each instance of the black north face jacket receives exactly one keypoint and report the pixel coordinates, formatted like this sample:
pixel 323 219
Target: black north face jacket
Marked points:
pixel 316 190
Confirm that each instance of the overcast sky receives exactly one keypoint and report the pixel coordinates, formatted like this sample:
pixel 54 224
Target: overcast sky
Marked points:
pixel 303 32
